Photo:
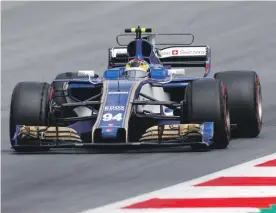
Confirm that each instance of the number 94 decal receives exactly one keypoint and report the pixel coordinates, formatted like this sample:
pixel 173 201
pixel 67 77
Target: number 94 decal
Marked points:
pixel 109 117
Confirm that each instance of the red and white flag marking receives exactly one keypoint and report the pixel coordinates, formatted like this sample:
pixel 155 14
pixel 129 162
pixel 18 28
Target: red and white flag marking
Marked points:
pixel 245 188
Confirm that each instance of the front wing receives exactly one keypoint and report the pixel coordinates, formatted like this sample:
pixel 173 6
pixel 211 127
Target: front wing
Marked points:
pixel 162 135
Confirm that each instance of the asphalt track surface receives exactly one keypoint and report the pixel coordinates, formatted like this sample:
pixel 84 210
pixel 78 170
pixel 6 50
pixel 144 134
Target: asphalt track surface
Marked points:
pixel 41 39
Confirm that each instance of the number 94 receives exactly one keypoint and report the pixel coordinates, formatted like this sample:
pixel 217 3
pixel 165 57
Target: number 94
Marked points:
pixel 109 117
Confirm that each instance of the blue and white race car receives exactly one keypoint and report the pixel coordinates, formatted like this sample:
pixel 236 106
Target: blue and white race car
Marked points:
pixel 147 96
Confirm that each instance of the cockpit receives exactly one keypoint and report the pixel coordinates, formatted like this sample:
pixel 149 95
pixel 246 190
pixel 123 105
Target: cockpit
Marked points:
pixel 137 68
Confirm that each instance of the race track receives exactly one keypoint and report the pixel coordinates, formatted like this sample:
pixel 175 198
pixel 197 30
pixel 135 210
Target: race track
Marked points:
pixel 41 39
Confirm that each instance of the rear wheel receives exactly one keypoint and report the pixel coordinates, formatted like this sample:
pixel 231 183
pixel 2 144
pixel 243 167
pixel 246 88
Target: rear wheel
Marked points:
pixel 245 101
pixel 206 101
pixel 59 95
pixel 30 107
pixel 58 91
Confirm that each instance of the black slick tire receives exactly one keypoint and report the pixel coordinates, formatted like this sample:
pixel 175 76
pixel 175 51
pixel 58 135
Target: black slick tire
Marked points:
pixel 245 101
pixel 206 101
pixel 29 106
pixel 58 93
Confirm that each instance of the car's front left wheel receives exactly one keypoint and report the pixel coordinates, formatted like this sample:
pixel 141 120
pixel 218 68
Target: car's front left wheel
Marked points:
pixel 206 100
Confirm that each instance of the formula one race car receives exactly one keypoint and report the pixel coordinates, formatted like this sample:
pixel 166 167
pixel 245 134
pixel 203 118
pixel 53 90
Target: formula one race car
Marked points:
pixel 145 97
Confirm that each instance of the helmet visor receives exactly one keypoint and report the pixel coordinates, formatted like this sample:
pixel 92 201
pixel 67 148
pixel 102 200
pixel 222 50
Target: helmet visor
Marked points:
pixel 134 73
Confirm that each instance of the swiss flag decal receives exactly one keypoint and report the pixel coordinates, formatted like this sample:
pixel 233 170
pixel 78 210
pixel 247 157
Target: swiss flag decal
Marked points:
pixel 175 52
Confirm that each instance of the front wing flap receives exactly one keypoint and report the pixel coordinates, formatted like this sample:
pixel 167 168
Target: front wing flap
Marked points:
pixel 62 137
pixel 170 132
pixel 48 133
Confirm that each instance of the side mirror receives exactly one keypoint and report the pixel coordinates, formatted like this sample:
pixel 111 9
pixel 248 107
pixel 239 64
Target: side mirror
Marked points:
pixel 89 73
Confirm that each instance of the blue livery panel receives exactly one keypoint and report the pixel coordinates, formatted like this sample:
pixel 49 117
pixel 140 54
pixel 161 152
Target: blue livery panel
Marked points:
pixel 115 109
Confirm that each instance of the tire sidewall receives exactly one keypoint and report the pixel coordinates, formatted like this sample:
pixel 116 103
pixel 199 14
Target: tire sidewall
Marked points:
pixel 222 129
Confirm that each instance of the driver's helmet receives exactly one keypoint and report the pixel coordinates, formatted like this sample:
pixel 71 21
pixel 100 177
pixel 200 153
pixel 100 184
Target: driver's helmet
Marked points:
pixel 137 68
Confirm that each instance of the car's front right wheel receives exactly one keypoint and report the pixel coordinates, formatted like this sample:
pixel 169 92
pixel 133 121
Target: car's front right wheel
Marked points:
pixel 30 107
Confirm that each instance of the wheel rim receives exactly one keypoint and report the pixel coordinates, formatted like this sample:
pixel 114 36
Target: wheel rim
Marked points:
pixel 259 104
pixel 227 123
pixel 227 118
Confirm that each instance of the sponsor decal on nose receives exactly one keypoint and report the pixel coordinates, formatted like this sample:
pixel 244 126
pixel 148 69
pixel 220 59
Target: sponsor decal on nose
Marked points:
pixel 114 108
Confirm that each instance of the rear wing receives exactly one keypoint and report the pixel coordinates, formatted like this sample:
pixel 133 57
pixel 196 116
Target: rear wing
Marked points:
pixel 173 56
pixel 185 56
pixel 178 55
